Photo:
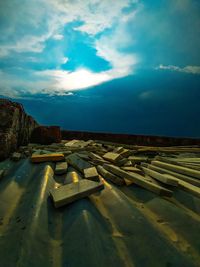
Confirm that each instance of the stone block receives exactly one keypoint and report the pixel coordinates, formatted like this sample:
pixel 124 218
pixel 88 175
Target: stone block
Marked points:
pixel 54 157
pixel 91 174
pixel 132 169
pixel 110 176
pixel 71 192
pixel 78 163
pixel 72 177
pixel 113 157
pixel 61 168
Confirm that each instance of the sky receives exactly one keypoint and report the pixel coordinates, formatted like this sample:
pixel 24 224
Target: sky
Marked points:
pixel 120 66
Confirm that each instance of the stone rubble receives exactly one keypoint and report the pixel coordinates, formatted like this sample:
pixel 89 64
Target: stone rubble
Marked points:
pixel 156 169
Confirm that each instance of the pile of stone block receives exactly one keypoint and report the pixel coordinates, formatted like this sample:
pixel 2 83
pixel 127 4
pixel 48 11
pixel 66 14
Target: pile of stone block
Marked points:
pixel 161 170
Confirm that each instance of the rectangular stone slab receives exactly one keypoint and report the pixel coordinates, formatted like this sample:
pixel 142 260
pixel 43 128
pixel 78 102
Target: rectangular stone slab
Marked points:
pixel 135 159
pixel 72 177
pixel 185 178
pixel 91 174
pixel 61 168
pixel 47 157
pixel 78 163
pixel 179 169
pixel 139 180
pixel 163 178
pixel 110 176
pixel 113 157
pixel 71 192
pixel 132 169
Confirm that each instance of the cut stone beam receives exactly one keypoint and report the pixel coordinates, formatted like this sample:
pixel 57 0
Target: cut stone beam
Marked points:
pixel 175 161
pixel 61 168
pixel 135 159
pixel 118 149
pixel 185 178
pixel 78 163
pixel 91 174
pixel 139 180
pixel 132 169
pixel 71 192
pixel 190 165
pixel 176 168
pixel 95 156
pixel 164 178
pixel 121 162
pixel 47 157
pixel 194 190
pixel 110 176
pixel 113 157
pixel 72 177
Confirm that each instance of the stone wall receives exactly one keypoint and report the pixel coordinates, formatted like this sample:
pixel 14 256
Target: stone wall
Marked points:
pixel 130 139
pixel 15 127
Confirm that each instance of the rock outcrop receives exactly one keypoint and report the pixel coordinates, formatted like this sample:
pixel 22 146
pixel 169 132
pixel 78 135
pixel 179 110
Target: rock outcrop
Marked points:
pixel 46 135
pixel 15 127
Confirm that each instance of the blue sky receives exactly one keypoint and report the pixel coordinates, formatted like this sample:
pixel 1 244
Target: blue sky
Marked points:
pixel 63 53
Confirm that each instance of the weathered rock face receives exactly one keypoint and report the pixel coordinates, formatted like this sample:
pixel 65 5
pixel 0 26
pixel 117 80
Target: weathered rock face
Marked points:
pixel 15 127
pixel 46 135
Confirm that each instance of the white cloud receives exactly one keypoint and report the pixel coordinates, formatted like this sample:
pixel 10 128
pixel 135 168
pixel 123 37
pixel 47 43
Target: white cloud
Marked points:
pixel 186 69
pixel 68 81
pixel 95 16
pixel 64 60
pixel 52 16
pixel 58 37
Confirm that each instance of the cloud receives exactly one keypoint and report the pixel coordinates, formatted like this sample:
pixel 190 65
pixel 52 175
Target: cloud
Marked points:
pixel 65 60
pixel 58 37
pixel 105 27
pixel 187 69
pixel 57 13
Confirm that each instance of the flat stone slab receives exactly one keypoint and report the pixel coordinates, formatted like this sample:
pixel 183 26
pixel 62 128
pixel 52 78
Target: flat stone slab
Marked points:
pixel 113 157
pixel 110 176
pixel 47 157
pixel 72 177
pixel 78 163
pixel 139 180
pixel 91 174
pixel 135 159
pixel 118 149
pixel 71 192
pixel 132 169
pixel 61 168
